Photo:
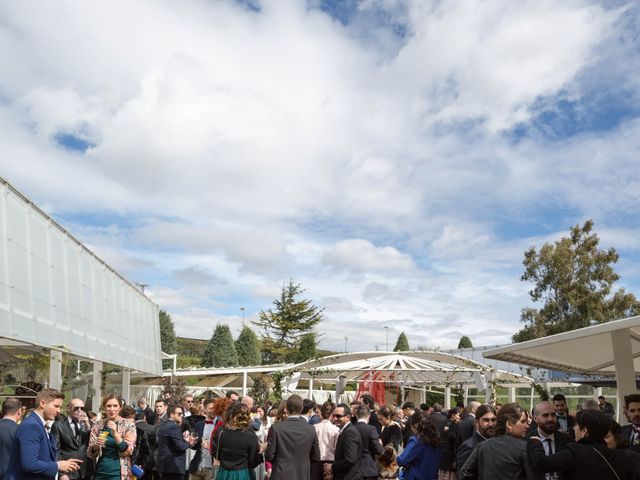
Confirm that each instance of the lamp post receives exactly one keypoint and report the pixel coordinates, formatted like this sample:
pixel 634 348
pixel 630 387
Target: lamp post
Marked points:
pixel 345 344
pixel 242 310
pixel 387 329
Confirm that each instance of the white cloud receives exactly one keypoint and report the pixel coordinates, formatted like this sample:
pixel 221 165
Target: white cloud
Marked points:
pixel 361 256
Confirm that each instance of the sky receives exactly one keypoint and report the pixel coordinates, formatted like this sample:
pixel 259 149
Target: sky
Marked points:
pixel 396 158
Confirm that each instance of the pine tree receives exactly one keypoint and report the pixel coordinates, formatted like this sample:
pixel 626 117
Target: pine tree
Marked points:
pixel 168 341
pixel 402 345
pixel 248 348
pixel 465 342
pixel 307 350
pixel 285 325
pixel 220 351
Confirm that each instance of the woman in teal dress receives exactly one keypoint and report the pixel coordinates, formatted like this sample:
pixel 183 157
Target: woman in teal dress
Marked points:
pixel 112 441
pixel 237 448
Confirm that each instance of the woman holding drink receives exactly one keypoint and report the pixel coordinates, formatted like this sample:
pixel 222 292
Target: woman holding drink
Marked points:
pixel 112 441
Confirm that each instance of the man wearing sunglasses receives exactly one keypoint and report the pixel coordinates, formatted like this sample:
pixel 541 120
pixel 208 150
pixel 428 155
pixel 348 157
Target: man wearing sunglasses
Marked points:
pixel 71 434
pixel 346 462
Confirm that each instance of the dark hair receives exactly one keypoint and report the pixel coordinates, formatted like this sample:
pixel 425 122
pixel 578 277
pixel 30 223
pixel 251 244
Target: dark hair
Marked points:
pixel 231 392
pixel 11 406
pixel 294 404
pixel 509 412
pixel 207 401
pixel 616 432
pixel 171 409
pixel 111 396
pixel 161 400
pixel 127 412
pixel 368 401
pixel 424 406
pixel 601 397
pixel 633 398
pixel 327 409
pixel 596 423
pixel 307 405
pixel 363 411
pixel 415 418
pixel 408 405
pixel 140 416
pixel 347 408
pixel 558 397
pixel 484 409
pixel 240 417
pixel 453 411
pixel 426 430
pixel 385 412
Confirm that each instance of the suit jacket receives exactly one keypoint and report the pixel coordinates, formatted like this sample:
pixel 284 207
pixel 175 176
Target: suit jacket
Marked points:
pixel 369 448
pixel 346 465
pixel 626 435
pixel 560 440
pixel 466 427
pixel 7 431
pixel 502 457
pixel 171 449
pixel 142 454
pixel 293 446
pixel 464 450
pixel 70 445
pixel 579 461
pixel 33 454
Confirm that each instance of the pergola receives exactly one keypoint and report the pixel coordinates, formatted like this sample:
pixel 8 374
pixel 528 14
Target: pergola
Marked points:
pixel 404 369
pixel 608 349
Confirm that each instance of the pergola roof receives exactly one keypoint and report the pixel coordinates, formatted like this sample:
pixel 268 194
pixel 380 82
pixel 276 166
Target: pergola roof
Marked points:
pixel 588 351
pixel 418 367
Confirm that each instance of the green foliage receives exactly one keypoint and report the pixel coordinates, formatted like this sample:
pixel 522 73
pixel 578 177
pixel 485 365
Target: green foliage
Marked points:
pixel 286 323
pixel 465 342
pixel 175 386
pixel 190 347
pixel 260 391
pixel 402 345
pixel 574 280
pixel 221 350
pixel 307 349
pixel 167 337
pixel 248 348
pixel 184 362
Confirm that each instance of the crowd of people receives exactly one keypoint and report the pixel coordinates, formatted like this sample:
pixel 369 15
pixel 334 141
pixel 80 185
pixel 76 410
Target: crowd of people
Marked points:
pixel 232 438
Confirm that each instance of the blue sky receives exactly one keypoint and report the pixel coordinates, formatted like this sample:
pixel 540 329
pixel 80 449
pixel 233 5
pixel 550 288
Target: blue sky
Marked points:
pixel 395 157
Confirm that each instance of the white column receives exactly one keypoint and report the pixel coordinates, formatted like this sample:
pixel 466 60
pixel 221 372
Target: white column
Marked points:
pixel 597 391
pixel 424 394
pixel 97 392
pixel 512 394
pixel 55 369
pixel 244 383
pixel 126 385
pixel 310 388
pixel 531 397
pixel 447 398
pixel 625 374
pixel 466 395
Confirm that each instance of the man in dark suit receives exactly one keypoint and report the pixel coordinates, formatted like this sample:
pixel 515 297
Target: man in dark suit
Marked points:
pixel 172 459
pixel 33 453
pixel 565 421
pixel 160 414
pixel 346 463
pixel 373 418
pixel 370 445
pixel 11 414
pixel 71 434
pixel 486 421
pixel 293 446
pixel 631 432
pixel 467 425
pixel 553 441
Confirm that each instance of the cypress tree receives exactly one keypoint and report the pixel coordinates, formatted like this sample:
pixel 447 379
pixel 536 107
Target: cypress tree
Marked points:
pixel 221 350
pixel 465 342
pixel 402 345
pixel 307 349
pixel 247 348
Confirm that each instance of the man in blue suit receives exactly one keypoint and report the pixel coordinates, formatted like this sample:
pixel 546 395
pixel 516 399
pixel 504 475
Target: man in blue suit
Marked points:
pixel 172 460
pixel 33 453
pixel 11 413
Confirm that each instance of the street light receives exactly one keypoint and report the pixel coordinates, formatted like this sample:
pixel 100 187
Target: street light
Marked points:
pixel 387 329
pixel 242 310
pixel 345 344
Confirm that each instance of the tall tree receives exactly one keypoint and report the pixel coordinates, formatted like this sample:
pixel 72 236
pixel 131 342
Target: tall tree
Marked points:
pixel 286 323
pixel 307 349
pixel 248 348
pixel 465 342
pixel 221 350
pixel 574 279
pixel 168 343
pixel 402 345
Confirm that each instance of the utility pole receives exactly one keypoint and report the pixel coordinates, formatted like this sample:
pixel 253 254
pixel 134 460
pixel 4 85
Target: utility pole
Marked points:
pixel 242 310
pixel 345 344
pixel 387 329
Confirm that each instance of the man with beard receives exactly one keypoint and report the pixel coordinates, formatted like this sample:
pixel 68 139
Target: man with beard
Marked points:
pixel 544 414
pixel 485 428
pixel 565 421
pixel 172 445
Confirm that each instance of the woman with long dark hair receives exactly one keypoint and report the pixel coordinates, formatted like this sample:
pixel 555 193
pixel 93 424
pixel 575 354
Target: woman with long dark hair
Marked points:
pixel 421 456
pixel 503 457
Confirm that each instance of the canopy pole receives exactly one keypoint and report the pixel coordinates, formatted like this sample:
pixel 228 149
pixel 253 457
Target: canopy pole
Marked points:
pixel 310 388
pixel 625 372
pixel 126 385
pixel 512 394
pixel 55 369
pixel 244 383
pixel 97 391
pixel 447 397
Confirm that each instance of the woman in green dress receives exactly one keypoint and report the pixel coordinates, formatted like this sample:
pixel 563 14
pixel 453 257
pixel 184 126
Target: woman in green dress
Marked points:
pixel 112 441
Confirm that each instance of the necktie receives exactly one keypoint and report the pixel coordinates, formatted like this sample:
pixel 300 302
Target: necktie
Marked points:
pixel 635 436
pixel 208 422
pixel 549 445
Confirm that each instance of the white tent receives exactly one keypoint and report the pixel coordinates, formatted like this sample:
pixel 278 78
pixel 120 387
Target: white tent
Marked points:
pixel 611 348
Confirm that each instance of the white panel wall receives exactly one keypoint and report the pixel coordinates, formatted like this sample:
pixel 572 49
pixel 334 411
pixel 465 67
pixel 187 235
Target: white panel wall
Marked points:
pixel 55 293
